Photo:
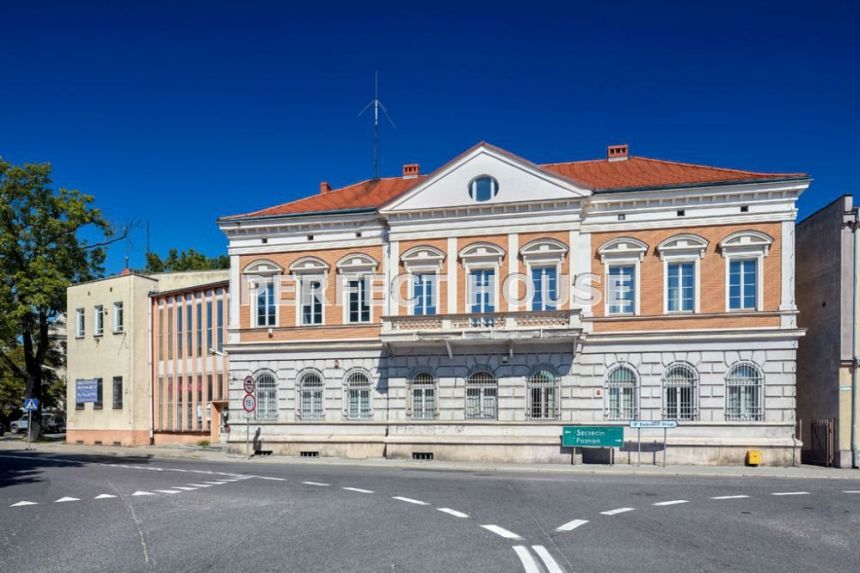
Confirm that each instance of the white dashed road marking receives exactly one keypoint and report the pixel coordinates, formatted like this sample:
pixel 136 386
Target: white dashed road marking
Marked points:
pixel 184 488
pixel 529 563
pixel 200 485
pixel 617 511
pixel 104 496
pixel 215 482
pixel 453 512
pixel 501 531
pixel 137 493
pixel 791 493
pixel 357 489
pixel 672 502
pixel 167 491
pixel 410 500
pixel 551 565
pixel 316 483
pixel 65 499
pixel 731 497
pixel 23 503
pixel 571 525
pixel 851 491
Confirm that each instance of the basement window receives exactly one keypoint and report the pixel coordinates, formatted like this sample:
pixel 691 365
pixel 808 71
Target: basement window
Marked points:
pixel 310 237
pixel 745 208
pixel 309 454
pixel 681 212
pixel 622 217
pixel 422 455
pixel 358 234
pixel 264 240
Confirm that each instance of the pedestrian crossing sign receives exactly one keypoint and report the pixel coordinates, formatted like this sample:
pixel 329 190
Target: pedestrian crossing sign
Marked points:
pixel 31 404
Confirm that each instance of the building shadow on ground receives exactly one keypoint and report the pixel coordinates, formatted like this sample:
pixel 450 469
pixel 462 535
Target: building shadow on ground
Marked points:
pixel 19 466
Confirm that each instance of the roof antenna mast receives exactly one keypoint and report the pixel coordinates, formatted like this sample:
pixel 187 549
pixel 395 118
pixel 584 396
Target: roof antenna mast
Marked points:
pixel 376 104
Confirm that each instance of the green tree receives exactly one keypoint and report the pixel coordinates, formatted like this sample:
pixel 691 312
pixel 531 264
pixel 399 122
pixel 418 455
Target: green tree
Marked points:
pixel 190 260
pixel 41 253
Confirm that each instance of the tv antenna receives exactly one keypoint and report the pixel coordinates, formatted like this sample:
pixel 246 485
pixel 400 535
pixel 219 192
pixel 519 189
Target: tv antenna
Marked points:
pixel 376 104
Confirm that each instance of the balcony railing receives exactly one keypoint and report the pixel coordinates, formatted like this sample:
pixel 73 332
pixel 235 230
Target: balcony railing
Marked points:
pixel 508 322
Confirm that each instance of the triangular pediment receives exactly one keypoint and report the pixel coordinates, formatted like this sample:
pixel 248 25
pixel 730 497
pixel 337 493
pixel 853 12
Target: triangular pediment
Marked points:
pixel 462 182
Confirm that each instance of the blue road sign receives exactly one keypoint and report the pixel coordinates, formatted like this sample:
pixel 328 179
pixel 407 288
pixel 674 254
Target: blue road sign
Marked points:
pixel 31 404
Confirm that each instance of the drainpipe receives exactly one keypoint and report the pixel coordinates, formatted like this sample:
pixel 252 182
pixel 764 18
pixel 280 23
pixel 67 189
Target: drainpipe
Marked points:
pixel 855 359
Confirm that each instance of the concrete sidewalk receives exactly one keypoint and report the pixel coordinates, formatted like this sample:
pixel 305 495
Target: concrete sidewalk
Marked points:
pixel 215 455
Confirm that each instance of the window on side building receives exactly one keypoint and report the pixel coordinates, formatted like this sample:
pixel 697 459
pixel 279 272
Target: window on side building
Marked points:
pixel 80 322
pixel 117 392
pixel 98 320
pixel 99 403
pixel 118 318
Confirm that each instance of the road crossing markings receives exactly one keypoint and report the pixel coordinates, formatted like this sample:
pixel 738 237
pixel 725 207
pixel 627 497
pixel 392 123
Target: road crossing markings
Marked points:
pixel 316 483
pixel 214 482
pixel 453 512
pixel 138 493
pixel 183 488
pixel 501 531
pixel 791 493
pixel 23 503
pixel 410 500
pixel 529 563
pixel 104 496
pixel 617 511
pixel 357 489
pixel 571 525
pixel 731 497
pixel 65 499
pixel 199 485
pixel 851 491
pixel 170 491
pixel 672 502
pixel 552 565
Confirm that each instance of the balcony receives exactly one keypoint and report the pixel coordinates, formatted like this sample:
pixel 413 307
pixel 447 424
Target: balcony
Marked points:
pixel 557 325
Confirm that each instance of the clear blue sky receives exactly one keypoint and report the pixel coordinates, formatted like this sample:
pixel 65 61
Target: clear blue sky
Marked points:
pixel 177 112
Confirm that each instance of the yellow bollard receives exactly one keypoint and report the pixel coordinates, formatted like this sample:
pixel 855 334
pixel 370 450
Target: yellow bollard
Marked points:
pixel 753 458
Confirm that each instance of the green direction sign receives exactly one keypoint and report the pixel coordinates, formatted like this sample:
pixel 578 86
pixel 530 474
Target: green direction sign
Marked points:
pixel 592 436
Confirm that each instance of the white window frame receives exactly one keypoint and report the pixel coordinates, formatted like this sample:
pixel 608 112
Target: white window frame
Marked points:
pixel 257 285
pixel 668 383
pixel 533 383
pixel 544 253
pixel 412 300
pixel 98 320
pixel 746 245
pixel 348 386
pixel 758 385
pixel 80 322
pixel 257 273
pixel 261 413
pixel 472 383
pixel 683 248
pixel 364 292
pixel 355 267
pixel 423 386
pixel 301 381
pixel 608 385
pixel 118 311
pixel 310 269
pixel 619 252
pixel 423 260
pixel 481 256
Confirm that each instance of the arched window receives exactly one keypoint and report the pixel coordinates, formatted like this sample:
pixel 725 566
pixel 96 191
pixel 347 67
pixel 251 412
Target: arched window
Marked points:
pixel 267 396
pixel 482 396
pixel 358 396
pixel 543 395
pixel 679 392
pixel 743 393
pixel 311 388
pixel 423 396
pixel 621 394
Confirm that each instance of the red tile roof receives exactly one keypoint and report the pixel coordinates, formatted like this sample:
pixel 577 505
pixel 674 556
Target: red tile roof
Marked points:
pixel 599 175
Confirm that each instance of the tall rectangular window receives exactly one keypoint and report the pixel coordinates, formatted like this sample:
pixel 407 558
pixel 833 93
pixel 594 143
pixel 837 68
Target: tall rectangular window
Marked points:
pixel 622 289
pixel 424 294
pixel 78 405
pixel 170 329
pixel 743 284
pixel 199 304
pixel 359 305
pixel 99 403
pixel 169 425
pixel 208 325
pixel 117 392
pixel 189 310
pixel 482 296
pixel 161 332
pixel 98 320
pixel 220 324
pixel 545 286
pixel 118 317
pixel 178 425
pixel 189 402
pixel 199 418
pixel 161 402
pixel 179 334
pixel 311 299
pixel 266 309
pixel 80 322
pixel 680 287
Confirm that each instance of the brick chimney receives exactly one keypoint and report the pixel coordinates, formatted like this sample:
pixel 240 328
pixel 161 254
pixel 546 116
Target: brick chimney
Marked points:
pixel 411 170
pixel 324 187
pixel 617 152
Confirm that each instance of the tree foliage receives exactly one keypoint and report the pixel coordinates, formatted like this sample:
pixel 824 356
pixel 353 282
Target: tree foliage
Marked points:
pixel 178 261
pixel 41 253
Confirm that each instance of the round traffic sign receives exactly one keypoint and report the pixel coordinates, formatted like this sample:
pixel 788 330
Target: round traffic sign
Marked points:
pixel 249 403
pixel 249 384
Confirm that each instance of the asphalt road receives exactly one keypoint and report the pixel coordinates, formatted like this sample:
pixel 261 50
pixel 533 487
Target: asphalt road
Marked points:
pixel 91 513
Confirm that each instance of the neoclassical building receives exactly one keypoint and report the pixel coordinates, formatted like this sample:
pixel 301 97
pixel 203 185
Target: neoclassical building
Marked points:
pixel 472 312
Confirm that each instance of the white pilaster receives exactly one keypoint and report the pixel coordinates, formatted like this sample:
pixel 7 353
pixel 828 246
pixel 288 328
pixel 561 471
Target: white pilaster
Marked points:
pixel 787 266
pixel 513 257
pixel 452 275
pixel 392 271
pixel 236 295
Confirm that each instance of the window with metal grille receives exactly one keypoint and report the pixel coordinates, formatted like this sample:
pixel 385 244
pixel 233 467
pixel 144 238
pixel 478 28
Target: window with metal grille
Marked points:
pixel 621 394
pixel 358 396
pixel 311 389
pixel 482 397
pixel 743 393
pixel 423 394
pixel 117 392
pixel 543 396
pixel 267 396
pixel 679 392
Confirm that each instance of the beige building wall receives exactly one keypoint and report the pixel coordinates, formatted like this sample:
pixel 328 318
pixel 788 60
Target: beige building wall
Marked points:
pixel 114 353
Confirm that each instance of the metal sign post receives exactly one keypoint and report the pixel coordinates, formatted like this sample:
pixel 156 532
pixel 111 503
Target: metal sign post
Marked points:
pixel 30 404
pixel 249 404
pixel 664 425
